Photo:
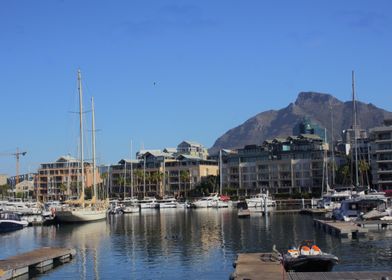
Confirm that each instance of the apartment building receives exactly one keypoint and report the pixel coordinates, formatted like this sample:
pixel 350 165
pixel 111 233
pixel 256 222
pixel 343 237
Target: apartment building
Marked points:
pixel 281 165
pixel 162 172
pixel 381 164
pixel 62 178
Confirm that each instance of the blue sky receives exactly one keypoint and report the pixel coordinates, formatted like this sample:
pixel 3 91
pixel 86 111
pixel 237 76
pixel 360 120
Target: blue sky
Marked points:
pixel 164 71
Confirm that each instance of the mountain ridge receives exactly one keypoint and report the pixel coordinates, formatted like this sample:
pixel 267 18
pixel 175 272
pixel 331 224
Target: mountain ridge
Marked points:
pixel 312 105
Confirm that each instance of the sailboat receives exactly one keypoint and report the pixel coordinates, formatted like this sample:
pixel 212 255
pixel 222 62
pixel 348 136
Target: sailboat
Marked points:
pixel 219 200
pixel 81 210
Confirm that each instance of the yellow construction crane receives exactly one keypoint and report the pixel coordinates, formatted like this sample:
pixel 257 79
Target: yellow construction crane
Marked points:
pixel 17 156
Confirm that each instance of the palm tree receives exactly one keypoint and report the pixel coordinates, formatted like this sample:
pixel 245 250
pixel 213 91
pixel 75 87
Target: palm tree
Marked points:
pixel 185 176
pixel 363 167
pixel 138 175
pixel 157 177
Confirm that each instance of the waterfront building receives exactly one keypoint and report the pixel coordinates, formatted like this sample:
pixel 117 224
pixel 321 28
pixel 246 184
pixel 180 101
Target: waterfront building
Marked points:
pixel 193 149
pixel 3 179
pixel 25 188
pixel 163 172
pixel 305 126
pixel 62 178
pixel 281 165
pixel 11 181
pixel 381 141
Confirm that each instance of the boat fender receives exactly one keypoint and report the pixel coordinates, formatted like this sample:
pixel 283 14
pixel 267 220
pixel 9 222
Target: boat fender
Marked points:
pixel 53 210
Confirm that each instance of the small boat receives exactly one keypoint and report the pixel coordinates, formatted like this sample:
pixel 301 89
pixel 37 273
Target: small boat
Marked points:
pixel 243 210
pixel 130 206
pixel 167 202
pixel 308 258
pixel 259 200
pixel 148 203
pixel 10 221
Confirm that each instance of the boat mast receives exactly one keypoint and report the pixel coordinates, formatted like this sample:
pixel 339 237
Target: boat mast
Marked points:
pixel 131 173
pixel 144 176
pixel 93 142
pixel 125 174
pixel 333 149
pixel 69 176
pixel 355 130
pixel 220 172
pixel 81 130
pixel 326 163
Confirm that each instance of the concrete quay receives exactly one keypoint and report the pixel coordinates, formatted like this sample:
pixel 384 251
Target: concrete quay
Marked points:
pixel 340 228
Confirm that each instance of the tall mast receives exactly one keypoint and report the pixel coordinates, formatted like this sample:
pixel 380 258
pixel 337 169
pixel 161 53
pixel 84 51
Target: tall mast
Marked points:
pixel 81 129
pixel 69 176
pixel 125 175
pixel 144 176
pixel 220 172
pixel 93 141
pixel 131 173
pixel 355 130
pixel 333 149
pixel 326 163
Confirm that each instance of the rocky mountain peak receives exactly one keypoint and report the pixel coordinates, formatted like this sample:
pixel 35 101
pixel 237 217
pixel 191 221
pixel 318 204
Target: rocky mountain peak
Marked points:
pixel 314 106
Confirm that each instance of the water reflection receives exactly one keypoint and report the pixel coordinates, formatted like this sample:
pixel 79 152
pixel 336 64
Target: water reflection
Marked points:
pixel 192 244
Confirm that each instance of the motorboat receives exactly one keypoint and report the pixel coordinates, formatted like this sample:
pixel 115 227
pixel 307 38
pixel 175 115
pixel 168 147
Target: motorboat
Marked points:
pixel 333 199
pixel 115 207
pixel 204 202
pixel 148 203
pixel 129 206
pixel 259 199
pixel 167 202
pixel 220 201
pixel 354 208
pixel 243 210
pixel 308 257
pixel 213 200
pixel 10 221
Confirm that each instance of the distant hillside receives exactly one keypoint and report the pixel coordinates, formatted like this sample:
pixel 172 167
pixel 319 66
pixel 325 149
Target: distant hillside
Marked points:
pixel 313 105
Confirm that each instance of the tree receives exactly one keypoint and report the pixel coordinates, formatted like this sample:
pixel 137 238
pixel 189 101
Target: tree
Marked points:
pixel 363 167
pixel 184 178
pixel 4 190
pixel 138 175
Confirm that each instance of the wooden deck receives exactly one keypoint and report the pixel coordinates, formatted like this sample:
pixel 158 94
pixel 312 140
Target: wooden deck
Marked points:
pixel 346 275
pixel 36 261
pixel 341 229
pixel 313 211
pixel 263 266
pixel 266 266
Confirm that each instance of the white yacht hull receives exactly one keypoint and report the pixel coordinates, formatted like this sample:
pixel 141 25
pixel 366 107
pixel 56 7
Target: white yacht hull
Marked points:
pixel 130 209
pixel 168 205
pixel 219 204
pixel 80 215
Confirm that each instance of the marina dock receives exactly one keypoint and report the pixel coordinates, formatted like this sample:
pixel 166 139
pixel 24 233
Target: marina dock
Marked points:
pixel 37 261
pixel 263 266
pixel 258 266
pixel 340 228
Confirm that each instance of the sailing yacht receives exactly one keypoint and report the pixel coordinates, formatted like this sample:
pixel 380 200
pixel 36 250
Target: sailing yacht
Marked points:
pixel 81 210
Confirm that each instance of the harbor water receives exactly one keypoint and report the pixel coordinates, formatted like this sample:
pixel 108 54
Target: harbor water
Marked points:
pixel 187 244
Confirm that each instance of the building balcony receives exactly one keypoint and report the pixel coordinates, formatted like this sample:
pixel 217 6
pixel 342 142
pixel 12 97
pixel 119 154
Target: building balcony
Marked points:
pixel 383 140
pixel 384 181
pixel 383 171
pixel 383 151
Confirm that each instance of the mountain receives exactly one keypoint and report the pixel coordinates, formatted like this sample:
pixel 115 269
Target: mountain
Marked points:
pixel 312 105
